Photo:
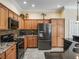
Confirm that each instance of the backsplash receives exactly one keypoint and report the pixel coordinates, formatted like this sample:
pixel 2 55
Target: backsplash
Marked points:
pixel 15 32
pixel 28 32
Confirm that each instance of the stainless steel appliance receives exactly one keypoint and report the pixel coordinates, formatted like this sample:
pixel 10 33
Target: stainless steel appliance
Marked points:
pixel 12 24
pixel 44 36
pixel 19 44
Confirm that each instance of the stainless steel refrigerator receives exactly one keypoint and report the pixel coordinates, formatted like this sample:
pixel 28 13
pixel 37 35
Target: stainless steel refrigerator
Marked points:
pixel 44 36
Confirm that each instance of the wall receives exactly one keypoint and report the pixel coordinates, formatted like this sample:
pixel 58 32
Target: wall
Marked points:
pixel 37 15
pixel 11 5
pixel 71 26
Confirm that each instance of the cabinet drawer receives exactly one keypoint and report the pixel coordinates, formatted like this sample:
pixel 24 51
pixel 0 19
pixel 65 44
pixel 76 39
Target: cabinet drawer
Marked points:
pixel 13 48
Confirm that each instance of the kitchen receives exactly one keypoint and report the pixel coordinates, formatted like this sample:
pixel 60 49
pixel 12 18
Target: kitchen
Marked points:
pixel 34 35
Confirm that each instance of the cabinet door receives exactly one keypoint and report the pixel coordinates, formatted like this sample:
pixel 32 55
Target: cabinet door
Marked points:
pixel 3 17
pixel 10 14
pixel 25 42
pixel 54 33
pixel 34 24
pixel 28 24
pixel 21 23
pixel 2 56
pixel 11 53
pixel 15 16
pixel 35 41
pixel 30 42
pixel 61 32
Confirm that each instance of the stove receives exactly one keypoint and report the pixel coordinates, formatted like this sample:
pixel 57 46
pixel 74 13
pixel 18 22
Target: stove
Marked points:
pixel 19 44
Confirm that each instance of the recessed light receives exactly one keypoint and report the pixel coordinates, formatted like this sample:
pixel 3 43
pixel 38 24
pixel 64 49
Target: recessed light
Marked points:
pixel 58 6
pixel 25 2
pixel 33 5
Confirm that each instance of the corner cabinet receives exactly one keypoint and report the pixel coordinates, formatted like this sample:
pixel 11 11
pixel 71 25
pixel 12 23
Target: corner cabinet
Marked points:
pixel 11 53
pixel 3 18
pixel 2 55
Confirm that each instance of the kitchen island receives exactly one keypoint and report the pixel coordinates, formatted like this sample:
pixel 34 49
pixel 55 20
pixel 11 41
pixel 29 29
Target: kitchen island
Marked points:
pixel 68 54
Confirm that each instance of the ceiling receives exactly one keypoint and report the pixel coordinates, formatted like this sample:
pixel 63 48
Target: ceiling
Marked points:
pixel 43 5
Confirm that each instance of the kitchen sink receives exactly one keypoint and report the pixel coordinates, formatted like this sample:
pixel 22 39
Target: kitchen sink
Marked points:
pixel 76 48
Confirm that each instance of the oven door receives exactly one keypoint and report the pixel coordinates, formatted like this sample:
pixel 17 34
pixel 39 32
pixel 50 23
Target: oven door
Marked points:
pixel 20 49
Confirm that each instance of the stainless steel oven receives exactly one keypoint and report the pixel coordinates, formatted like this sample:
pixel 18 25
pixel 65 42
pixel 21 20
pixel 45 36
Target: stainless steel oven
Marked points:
pixel 20 48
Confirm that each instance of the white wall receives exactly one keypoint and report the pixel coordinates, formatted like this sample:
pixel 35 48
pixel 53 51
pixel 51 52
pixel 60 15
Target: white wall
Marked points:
pixel 11 5
pixel 71 27
pixel 37 15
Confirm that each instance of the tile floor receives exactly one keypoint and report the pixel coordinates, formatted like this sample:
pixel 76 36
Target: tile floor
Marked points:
pixel 34 53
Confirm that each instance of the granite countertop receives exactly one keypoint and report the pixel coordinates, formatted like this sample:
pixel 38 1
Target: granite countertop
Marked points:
pixel 6 45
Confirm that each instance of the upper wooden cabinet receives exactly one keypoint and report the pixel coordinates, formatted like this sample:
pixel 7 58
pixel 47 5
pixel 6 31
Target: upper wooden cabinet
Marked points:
pixel 34 24
pixel 28 24
pixel 3 18
pixel 15 16
pixel 21 23
pixel 11 14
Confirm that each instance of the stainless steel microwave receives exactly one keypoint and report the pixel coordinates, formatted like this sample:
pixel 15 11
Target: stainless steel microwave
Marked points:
pixel 12 24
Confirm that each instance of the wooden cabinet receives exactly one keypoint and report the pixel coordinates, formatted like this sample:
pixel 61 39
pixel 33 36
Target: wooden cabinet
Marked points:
pixel 3 17
pixel 34 24
pixel 61 32
pixel 58 32
pixel 15 16
pixel 25 42
pixel 11 53
pixel 11 14
pixel 54 33
pixel 2 56
pixel 28 24
pixel 21 23
pixel 30 41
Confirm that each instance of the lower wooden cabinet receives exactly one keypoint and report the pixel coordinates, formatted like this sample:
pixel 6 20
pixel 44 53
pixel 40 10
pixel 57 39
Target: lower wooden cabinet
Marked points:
pixel 30 41
pixel 2 56
pixel 11 53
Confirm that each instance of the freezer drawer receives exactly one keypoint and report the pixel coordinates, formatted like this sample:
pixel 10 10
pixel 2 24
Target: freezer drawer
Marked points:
pixel 44 44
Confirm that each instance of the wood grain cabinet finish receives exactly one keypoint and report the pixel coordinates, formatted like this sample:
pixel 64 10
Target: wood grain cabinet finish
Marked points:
pixel 3 18
pixel 2 56
pixel 15 16
pixel 34 24
pixel 25 42
pixel 21 23
pixel 58 32
pixel 28 24
pixel 54 33
pixel 11 14
pixel 11 53
pixel 31 41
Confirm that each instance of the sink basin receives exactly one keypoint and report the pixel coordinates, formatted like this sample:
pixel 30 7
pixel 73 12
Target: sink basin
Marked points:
pixel 76 48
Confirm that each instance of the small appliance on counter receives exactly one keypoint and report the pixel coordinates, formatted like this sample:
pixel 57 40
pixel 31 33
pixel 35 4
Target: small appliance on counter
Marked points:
pixel 44 36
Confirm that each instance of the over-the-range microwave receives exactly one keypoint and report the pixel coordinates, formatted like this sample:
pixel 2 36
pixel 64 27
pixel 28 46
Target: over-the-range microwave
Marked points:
pixel 12 24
